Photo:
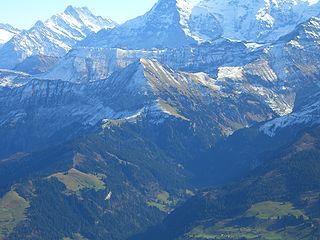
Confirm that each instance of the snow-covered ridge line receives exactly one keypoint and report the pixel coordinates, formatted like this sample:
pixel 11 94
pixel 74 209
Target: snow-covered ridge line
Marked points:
pixel 53 37
pixel 7 32
pixel 308 115
pixel 261 21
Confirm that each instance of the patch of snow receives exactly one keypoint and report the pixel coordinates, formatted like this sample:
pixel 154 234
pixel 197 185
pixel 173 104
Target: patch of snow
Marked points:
pixel 311 114
pixel 206 80
pixel 253 46
pixel 234 73
pixel 123 115
pixel 108 197
pixel 296 44
pixel 9 82
pixel 261 20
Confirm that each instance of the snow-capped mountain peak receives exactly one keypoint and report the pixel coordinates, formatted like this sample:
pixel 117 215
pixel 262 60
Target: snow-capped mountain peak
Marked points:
pixel 166 25
pixel 53 37
pixel 83 14
pixel 172 12
pixel 261 20
pixel 77 23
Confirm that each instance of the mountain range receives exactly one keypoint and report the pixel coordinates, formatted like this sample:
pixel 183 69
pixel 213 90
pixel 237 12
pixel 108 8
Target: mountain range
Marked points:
pixel 186 123
pixel 49 40
pixel 263 21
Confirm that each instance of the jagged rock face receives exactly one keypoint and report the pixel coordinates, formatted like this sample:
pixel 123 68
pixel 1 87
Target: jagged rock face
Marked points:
pixel 92 64
pixel 164 26
pixel 261 84
pixel 291 64
pixel 289 59
pixel 82 65
pixel 52 38
pixel 37 64
pixel 144 90
pixel 6 33
pixel 182 95
pixel 262 21
pixel 11 79
pixel 270 81
pixel 175 23
pixel 243 71
pixel 294 58
pixel 306 115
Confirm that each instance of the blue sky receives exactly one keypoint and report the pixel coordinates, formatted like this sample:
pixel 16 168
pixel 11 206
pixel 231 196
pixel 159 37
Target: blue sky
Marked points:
pixel 24 13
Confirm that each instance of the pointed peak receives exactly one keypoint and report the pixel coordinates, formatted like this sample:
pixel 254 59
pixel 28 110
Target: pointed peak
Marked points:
pixel 87 17
pixel 71 10
pixel 38 24
pixel 182 4
pixel 174 11
pixel 172 1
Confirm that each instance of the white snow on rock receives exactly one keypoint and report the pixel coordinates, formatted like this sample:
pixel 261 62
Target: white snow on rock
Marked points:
pixel 308 115
pixel 261 20
pixel 7 32
pixel 54 37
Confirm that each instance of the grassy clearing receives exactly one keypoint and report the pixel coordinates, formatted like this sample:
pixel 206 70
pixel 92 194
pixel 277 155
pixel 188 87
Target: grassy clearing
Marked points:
pixel 163 202
pixel 290 233
pixel 75 181
pixel 160 206
pixel 261 217
pixel 273 210
pixel 163 197
pixel 12 212
pixel 223 233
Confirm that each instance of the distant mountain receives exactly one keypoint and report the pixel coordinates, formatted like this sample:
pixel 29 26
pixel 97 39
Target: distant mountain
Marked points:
pixel 258 21
pixel 176 23
pixel 145 89
pixel 164 26
pixel 7 32
pixel 88 64
pixel 293 61
pixel 280 62
pixel 52 38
